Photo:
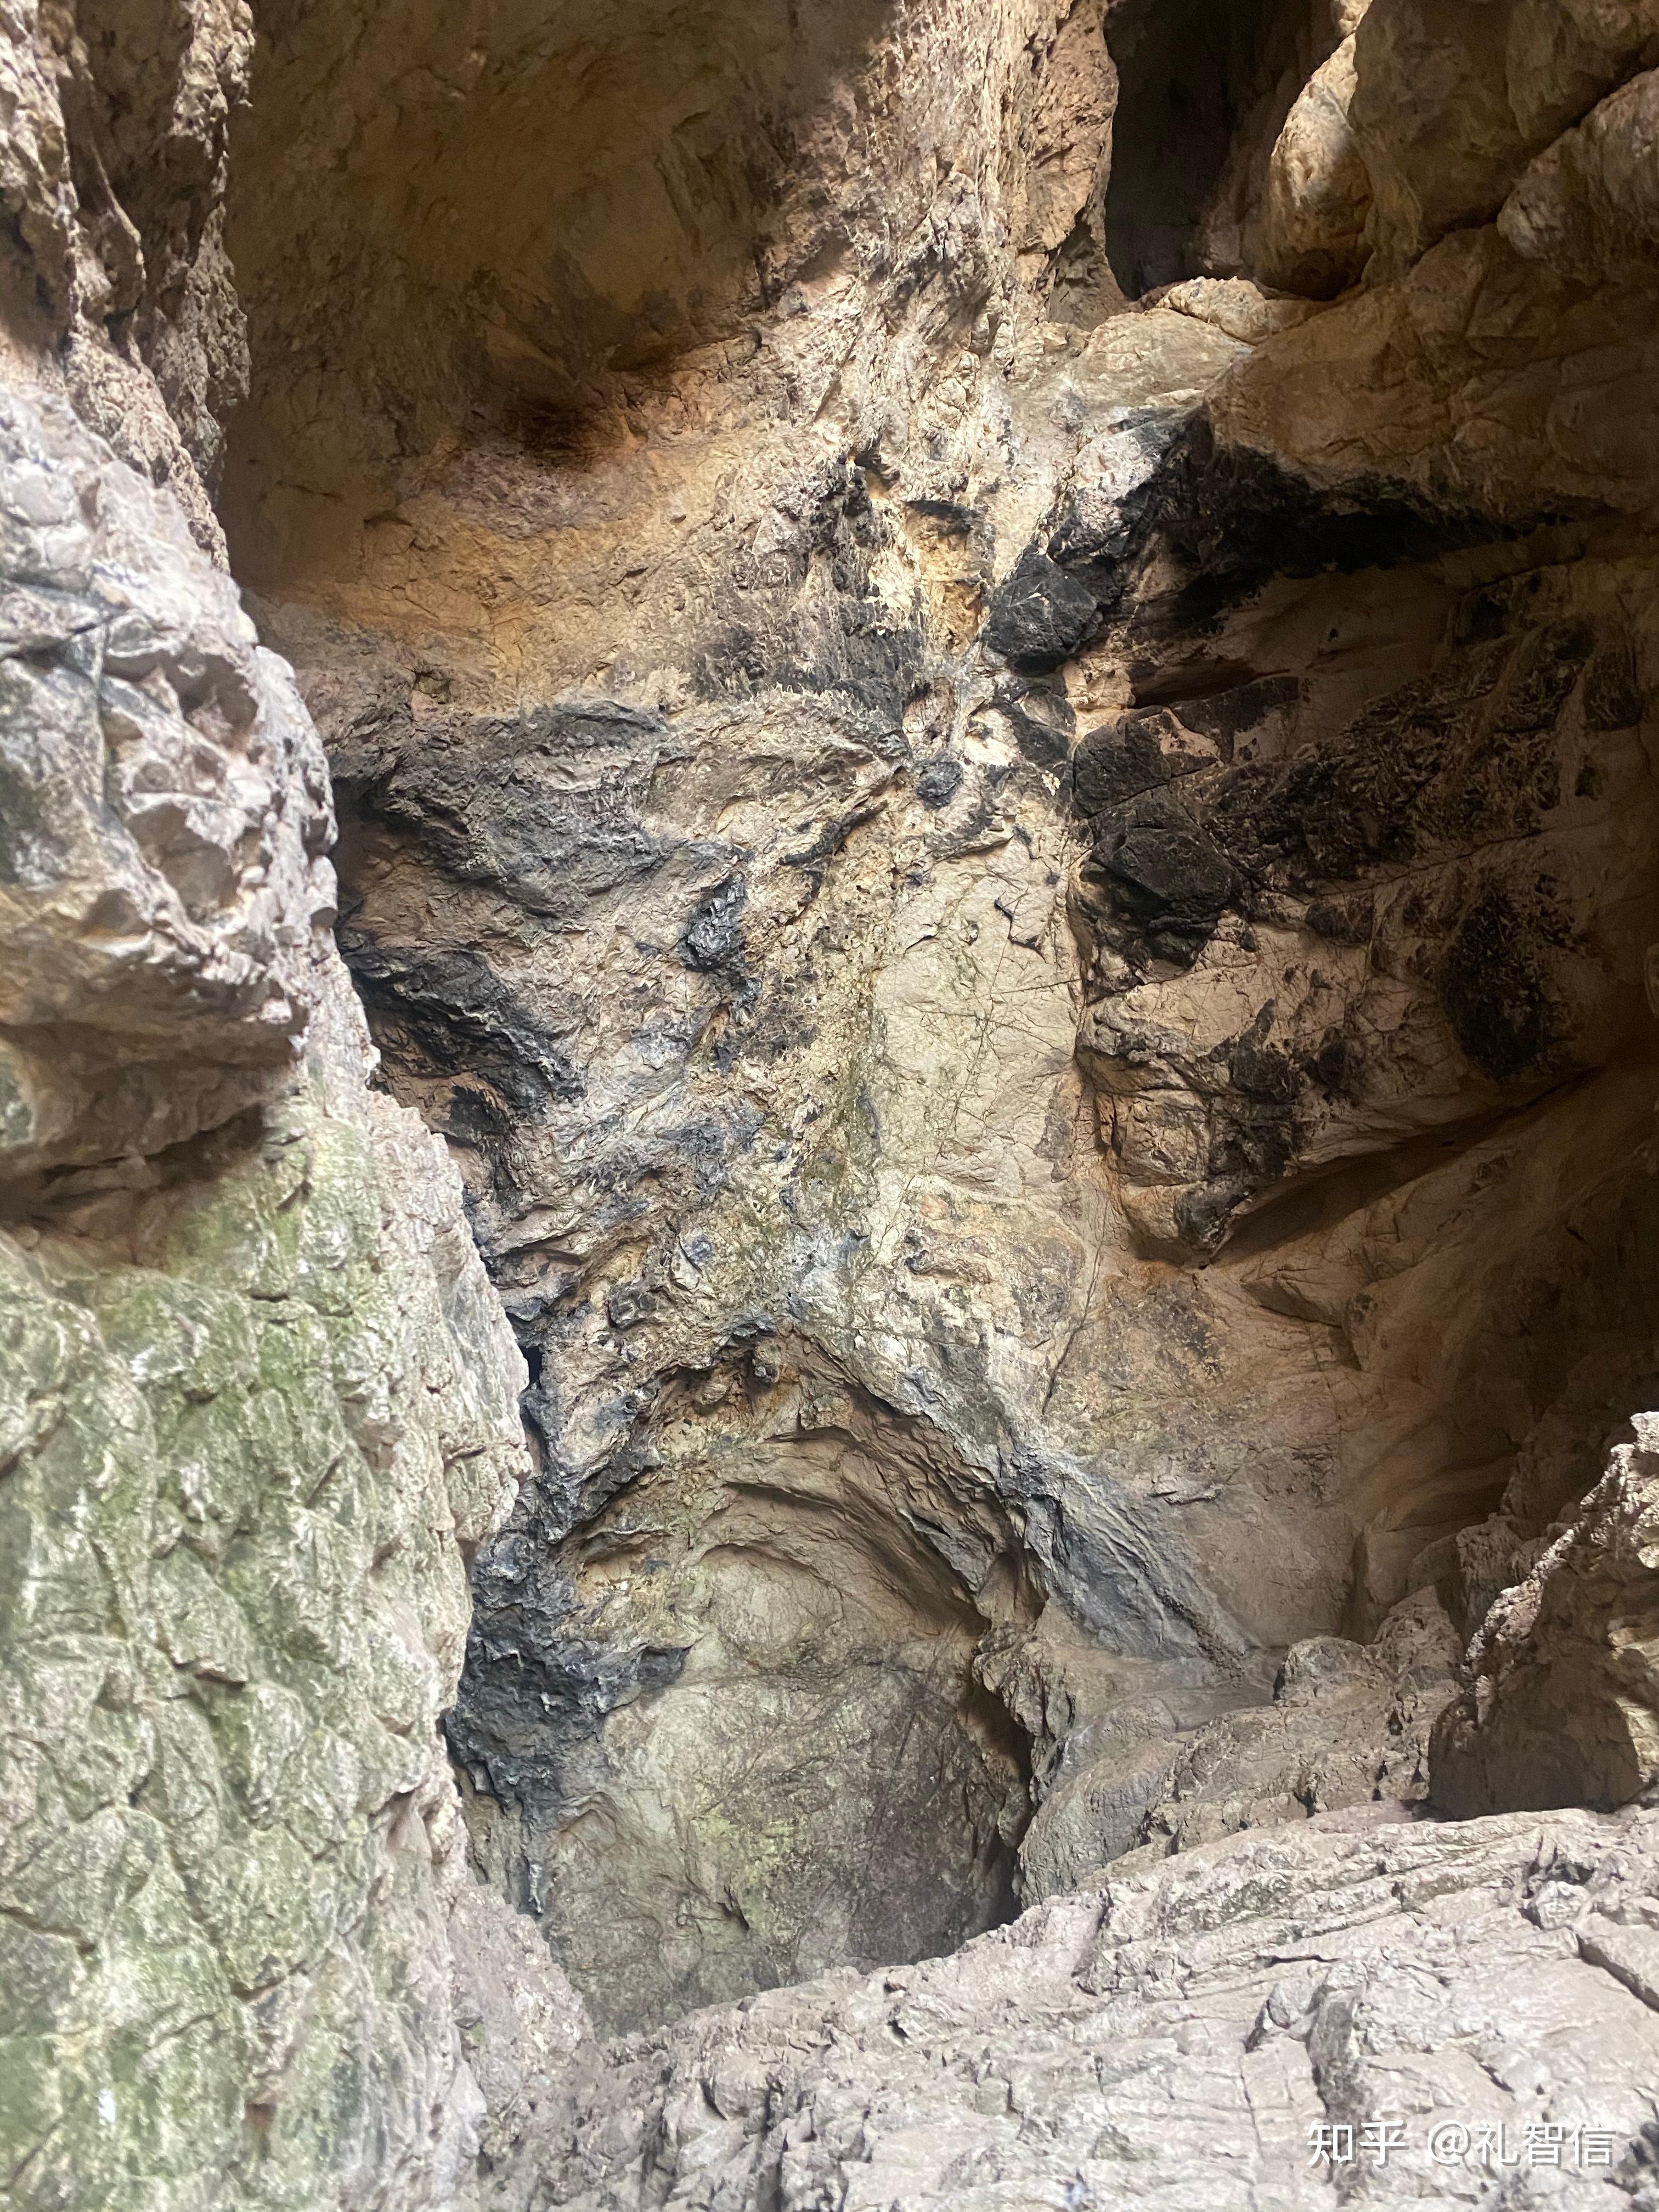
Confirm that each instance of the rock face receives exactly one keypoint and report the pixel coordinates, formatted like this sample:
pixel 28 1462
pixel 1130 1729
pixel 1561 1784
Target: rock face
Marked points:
pixel 113 177
pixel 258 1402
pixel 987 675
pixel 1563 1704
pixel 1012 841
pixel 167 809
pixel 1348 1726
pixel 1330 2017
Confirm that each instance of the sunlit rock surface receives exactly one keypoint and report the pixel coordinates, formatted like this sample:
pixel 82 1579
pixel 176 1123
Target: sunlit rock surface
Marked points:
pixel 985 678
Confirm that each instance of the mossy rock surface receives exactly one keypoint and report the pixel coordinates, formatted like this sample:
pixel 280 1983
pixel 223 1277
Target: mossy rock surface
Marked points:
pixel 231 1609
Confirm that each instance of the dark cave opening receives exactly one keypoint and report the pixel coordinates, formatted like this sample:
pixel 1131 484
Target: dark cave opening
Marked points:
pixel 738 1723
pixel 1204 87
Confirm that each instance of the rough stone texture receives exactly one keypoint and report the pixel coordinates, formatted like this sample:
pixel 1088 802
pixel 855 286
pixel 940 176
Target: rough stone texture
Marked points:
pixel 1349 1725
pixel 258 1402
pixel 113 177
pixel 777 1696
pixel 1177 2037
pixel 1588 205
pixel 1319 189
pixel 1564 1704
pixel 988 673
pixel 257 1399
pixel 1432 116
pixel 252 1408
pixel 1023 894
pixel 165 807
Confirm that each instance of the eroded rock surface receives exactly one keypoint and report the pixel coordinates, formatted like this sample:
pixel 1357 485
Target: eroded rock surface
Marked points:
pixel 1349 1725
pixel 987 674
pixel 1180 2037
pixel 1011 838
pixel 258 1399
pixel 1563 1704
pixel 258 1402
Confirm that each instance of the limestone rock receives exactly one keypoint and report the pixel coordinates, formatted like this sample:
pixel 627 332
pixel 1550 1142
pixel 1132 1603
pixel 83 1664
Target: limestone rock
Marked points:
pixel 1563 1704
pixel 114 173
pixel 1027 930
pixel 758 1687
pixel 165 817
pixel 1181 2035
pixel 1349 1725
pixel 234 1600
pixel 1021 900
pixel 257 1399
pixel 1563 55
pixel 1588 206
pixel 1319 191
pixel 1430 116
pixel 1243 310
pixel 1213 1096
pixel 522 2029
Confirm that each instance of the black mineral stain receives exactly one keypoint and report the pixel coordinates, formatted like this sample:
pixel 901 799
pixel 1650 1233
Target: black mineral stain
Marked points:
pixel 1491 990
pixel 1040 615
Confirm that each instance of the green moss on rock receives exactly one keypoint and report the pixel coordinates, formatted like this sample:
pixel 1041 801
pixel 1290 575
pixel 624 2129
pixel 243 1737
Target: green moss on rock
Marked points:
pixel 234 1480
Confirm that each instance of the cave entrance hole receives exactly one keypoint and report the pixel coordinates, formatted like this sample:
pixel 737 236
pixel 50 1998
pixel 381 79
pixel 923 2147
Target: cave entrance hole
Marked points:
pixel 735 1729
pixel 1204 87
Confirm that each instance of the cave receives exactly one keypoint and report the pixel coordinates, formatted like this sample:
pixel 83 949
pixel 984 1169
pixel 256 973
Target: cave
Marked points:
pixel 586 896
pixel 829 1233
pixel 1203 91
pixel 736 1730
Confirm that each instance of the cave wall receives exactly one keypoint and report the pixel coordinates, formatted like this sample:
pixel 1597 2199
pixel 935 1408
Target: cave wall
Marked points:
pixel 1004 817
pixel 1062 839
pixel 258 1402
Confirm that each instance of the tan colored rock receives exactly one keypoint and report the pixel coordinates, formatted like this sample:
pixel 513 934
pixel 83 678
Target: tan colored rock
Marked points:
pixel 1025 926
pixel 1312 234
pixel 114 172
pixel 1450 101
pixel 1238 306
pixel 1348 1725
pixel 1563 55
pixel 1430 116
pixel 1563 1707
pixel 523 2032
pixel 1589 207
pixel 1478 378
pixel 1084 886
